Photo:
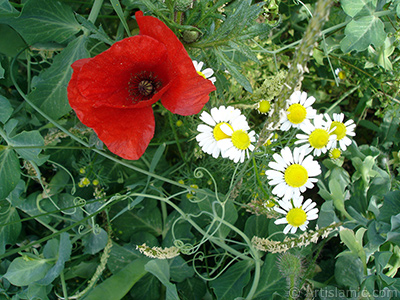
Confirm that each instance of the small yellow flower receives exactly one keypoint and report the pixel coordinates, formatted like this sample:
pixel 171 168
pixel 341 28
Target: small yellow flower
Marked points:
pixel 95 182
pixel 179 123
pixel 82 170
pixel 263 106
pixel 84 182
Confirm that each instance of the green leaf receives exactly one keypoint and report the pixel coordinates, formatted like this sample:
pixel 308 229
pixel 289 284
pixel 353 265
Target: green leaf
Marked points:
pixel 256 226
pixel 50 88
pixel 146 219
pixel 7 10
pixel 233 69
pixel 381 261
pixel 24 271
pixel 5 106
pixel 1 77
pixel 46 21
pixel 192 288
pixel 230 214
pixel 120 256
pixel 9 171
pixel 349 270
pixel 394 234
pixel 231 283
pixel 179 269
pixel 354 242
pixel 358 7
pixel 95 241
pixel 63 253
pixel 14 42
pixel 160 269
pixel 147 288
pixel 390 207
pixel 363 32
pixel 10 227
pixel 271 282
pixel 119 284
pixel 29 139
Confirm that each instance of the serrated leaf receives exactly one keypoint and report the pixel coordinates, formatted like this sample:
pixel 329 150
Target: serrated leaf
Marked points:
pixel 363 32
pixel 10 227
pixel 5 107
pixel 231 283
pixel 233 69
pixel 50 89
pixel 46 20
pixel 9 171
pixel 358 7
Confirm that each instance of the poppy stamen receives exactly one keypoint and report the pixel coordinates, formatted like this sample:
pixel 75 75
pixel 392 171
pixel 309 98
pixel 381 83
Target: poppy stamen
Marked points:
pixel 143 86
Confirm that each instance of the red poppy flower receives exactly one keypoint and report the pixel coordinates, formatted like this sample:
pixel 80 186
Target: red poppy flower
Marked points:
pixel 113 92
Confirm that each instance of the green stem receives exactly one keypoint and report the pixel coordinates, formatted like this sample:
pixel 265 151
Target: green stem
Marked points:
pixel 171 123
pixel 94 13
pixel 64 287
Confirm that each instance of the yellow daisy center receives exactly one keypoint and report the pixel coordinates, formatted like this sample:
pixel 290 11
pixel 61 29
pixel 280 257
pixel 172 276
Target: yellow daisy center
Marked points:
pixel 296 217
pixel 240 139
pixel 201 74
pixel 319 138
pixel 264 106
pixel 296 113
pixel 340 130
pixel 296 175
pixel 335 153
pixel 218 133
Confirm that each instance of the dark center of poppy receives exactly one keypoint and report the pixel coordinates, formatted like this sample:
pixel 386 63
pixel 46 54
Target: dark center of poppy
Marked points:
pixel 146 87
pixel 143 86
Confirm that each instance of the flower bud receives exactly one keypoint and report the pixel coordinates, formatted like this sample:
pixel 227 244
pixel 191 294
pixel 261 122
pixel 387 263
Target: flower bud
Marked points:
pixel 190 36
pixel 183 5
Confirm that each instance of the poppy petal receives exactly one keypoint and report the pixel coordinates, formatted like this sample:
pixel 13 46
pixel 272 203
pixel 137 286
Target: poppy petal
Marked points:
pixel 106 78
pixel 189 91
pixel 126 132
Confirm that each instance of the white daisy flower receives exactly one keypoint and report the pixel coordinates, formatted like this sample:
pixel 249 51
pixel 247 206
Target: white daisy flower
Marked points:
pixel 238 145
pixel 299 111
pixel 211 132
pixel 206 73
pixel 341 130
pixel 298 214
pixel 292 173
pixel 318 136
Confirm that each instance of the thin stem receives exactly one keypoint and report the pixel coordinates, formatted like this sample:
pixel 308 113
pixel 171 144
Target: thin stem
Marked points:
pixel 94 13
pixel 64 287
pixel 171 123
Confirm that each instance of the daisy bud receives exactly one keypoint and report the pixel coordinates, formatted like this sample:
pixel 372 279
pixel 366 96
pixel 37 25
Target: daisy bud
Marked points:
pixel 190 36
pixel 183 5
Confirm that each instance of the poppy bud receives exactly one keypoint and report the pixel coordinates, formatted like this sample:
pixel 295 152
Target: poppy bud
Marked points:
pixel 190 36
pixel 183 5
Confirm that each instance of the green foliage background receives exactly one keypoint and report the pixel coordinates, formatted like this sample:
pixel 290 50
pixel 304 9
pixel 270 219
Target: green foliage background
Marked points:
pixel 62 237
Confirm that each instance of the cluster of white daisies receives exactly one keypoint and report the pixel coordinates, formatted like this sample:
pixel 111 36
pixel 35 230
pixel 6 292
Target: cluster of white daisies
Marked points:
pixel 226 132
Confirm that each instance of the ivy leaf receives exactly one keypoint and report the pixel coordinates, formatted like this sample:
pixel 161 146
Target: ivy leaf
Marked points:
pixel 363 32
pixel 45 21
